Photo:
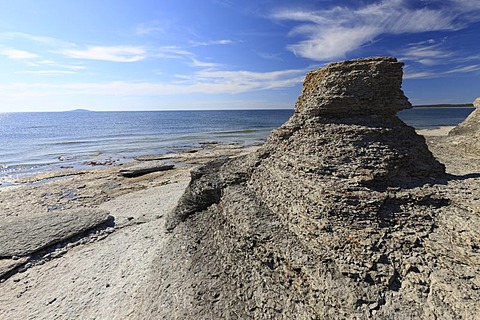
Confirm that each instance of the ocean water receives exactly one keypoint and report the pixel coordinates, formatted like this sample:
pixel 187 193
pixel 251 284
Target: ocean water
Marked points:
pixel 431 118
pixel 33 142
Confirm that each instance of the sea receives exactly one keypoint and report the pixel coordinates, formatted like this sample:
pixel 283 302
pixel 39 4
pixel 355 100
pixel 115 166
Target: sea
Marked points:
pixel 45 141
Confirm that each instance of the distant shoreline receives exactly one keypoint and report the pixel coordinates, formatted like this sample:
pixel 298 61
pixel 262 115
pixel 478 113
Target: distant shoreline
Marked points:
pixel 462 105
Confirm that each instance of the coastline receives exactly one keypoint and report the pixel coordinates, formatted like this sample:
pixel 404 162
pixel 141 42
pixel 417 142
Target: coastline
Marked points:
pixel 99 272
pixel 441 131
pixel 460 105
pixel 104 272
pixel 97 140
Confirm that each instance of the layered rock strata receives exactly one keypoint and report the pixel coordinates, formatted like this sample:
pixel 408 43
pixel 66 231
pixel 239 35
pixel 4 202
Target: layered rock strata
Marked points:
pixel 328 220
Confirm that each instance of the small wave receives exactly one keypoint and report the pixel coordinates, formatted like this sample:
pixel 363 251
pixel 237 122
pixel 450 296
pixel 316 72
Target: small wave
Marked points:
pixel 62 143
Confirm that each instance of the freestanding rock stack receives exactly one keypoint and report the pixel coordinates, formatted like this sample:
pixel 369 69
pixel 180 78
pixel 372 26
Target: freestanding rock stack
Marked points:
pixel 327 220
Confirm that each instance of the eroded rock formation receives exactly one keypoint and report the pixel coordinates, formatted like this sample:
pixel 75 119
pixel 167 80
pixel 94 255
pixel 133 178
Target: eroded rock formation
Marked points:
pixel 468 132
pixel 328 220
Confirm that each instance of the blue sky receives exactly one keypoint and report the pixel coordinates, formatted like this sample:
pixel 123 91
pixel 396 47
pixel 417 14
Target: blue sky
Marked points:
pixel 224 54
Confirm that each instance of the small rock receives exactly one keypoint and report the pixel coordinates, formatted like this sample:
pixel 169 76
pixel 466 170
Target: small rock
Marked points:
pixel 142 169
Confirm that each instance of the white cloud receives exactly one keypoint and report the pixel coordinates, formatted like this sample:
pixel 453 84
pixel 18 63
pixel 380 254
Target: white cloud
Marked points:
pixel 419 75
pixel 71 67
pixel 465 5
pixel 151 27
pixel 108 53
pixel 172 52
pixel 204 64
pixel 270 56
pixel 332 33
pixel 243 81
pixel 468 58
pixel 409 73
pixel 426 53
pixel 53 42
pixel 464 69
pixel 18 54
pixel 211 42
pixel 434 56
pixel 203 82
pixel 45 72
pixel 333 43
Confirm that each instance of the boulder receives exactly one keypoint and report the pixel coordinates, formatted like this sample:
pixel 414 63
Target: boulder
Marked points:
pixel 23 236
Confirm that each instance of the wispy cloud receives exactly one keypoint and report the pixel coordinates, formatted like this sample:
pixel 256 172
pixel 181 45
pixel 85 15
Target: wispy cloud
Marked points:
pixel 172 52
pixel 331 34
pixel 413 73
pixel 464 69
pixel 431 59
pixel 151 27
pixel 210 42
pixel 108 53
pixel 418 75
pixel 426 52
pixel 204 64
pixel 46 72
pixel 270 56
pixel 203 82
pixel 178 53
pixel 120 53
pixel 18 54
pixel 53 42
pixel 243 81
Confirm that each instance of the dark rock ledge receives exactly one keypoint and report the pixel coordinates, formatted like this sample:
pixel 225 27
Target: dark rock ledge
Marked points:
pixel 22 237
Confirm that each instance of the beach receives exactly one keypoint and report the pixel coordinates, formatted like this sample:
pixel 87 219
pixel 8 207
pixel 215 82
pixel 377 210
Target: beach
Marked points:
pixel 240 160
pixel 100 273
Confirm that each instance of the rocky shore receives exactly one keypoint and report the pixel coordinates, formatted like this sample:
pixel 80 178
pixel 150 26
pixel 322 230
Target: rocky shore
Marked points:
pixel 344 213
pixel 81 244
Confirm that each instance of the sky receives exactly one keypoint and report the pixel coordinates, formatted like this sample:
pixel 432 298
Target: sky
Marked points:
pixel 108 55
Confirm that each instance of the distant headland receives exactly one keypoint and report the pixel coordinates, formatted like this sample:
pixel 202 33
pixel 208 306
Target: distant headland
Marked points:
pixel 80 110
pixel 453 105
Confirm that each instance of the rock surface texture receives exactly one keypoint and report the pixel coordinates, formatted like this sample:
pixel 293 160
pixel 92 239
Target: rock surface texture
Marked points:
pixel 21 237
pixel 342 214
pixel 467 134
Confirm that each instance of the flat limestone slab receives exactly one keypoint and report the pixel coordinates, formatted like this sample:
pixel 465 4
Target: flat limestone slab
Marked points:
pixel 144 168
pixel 22 237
